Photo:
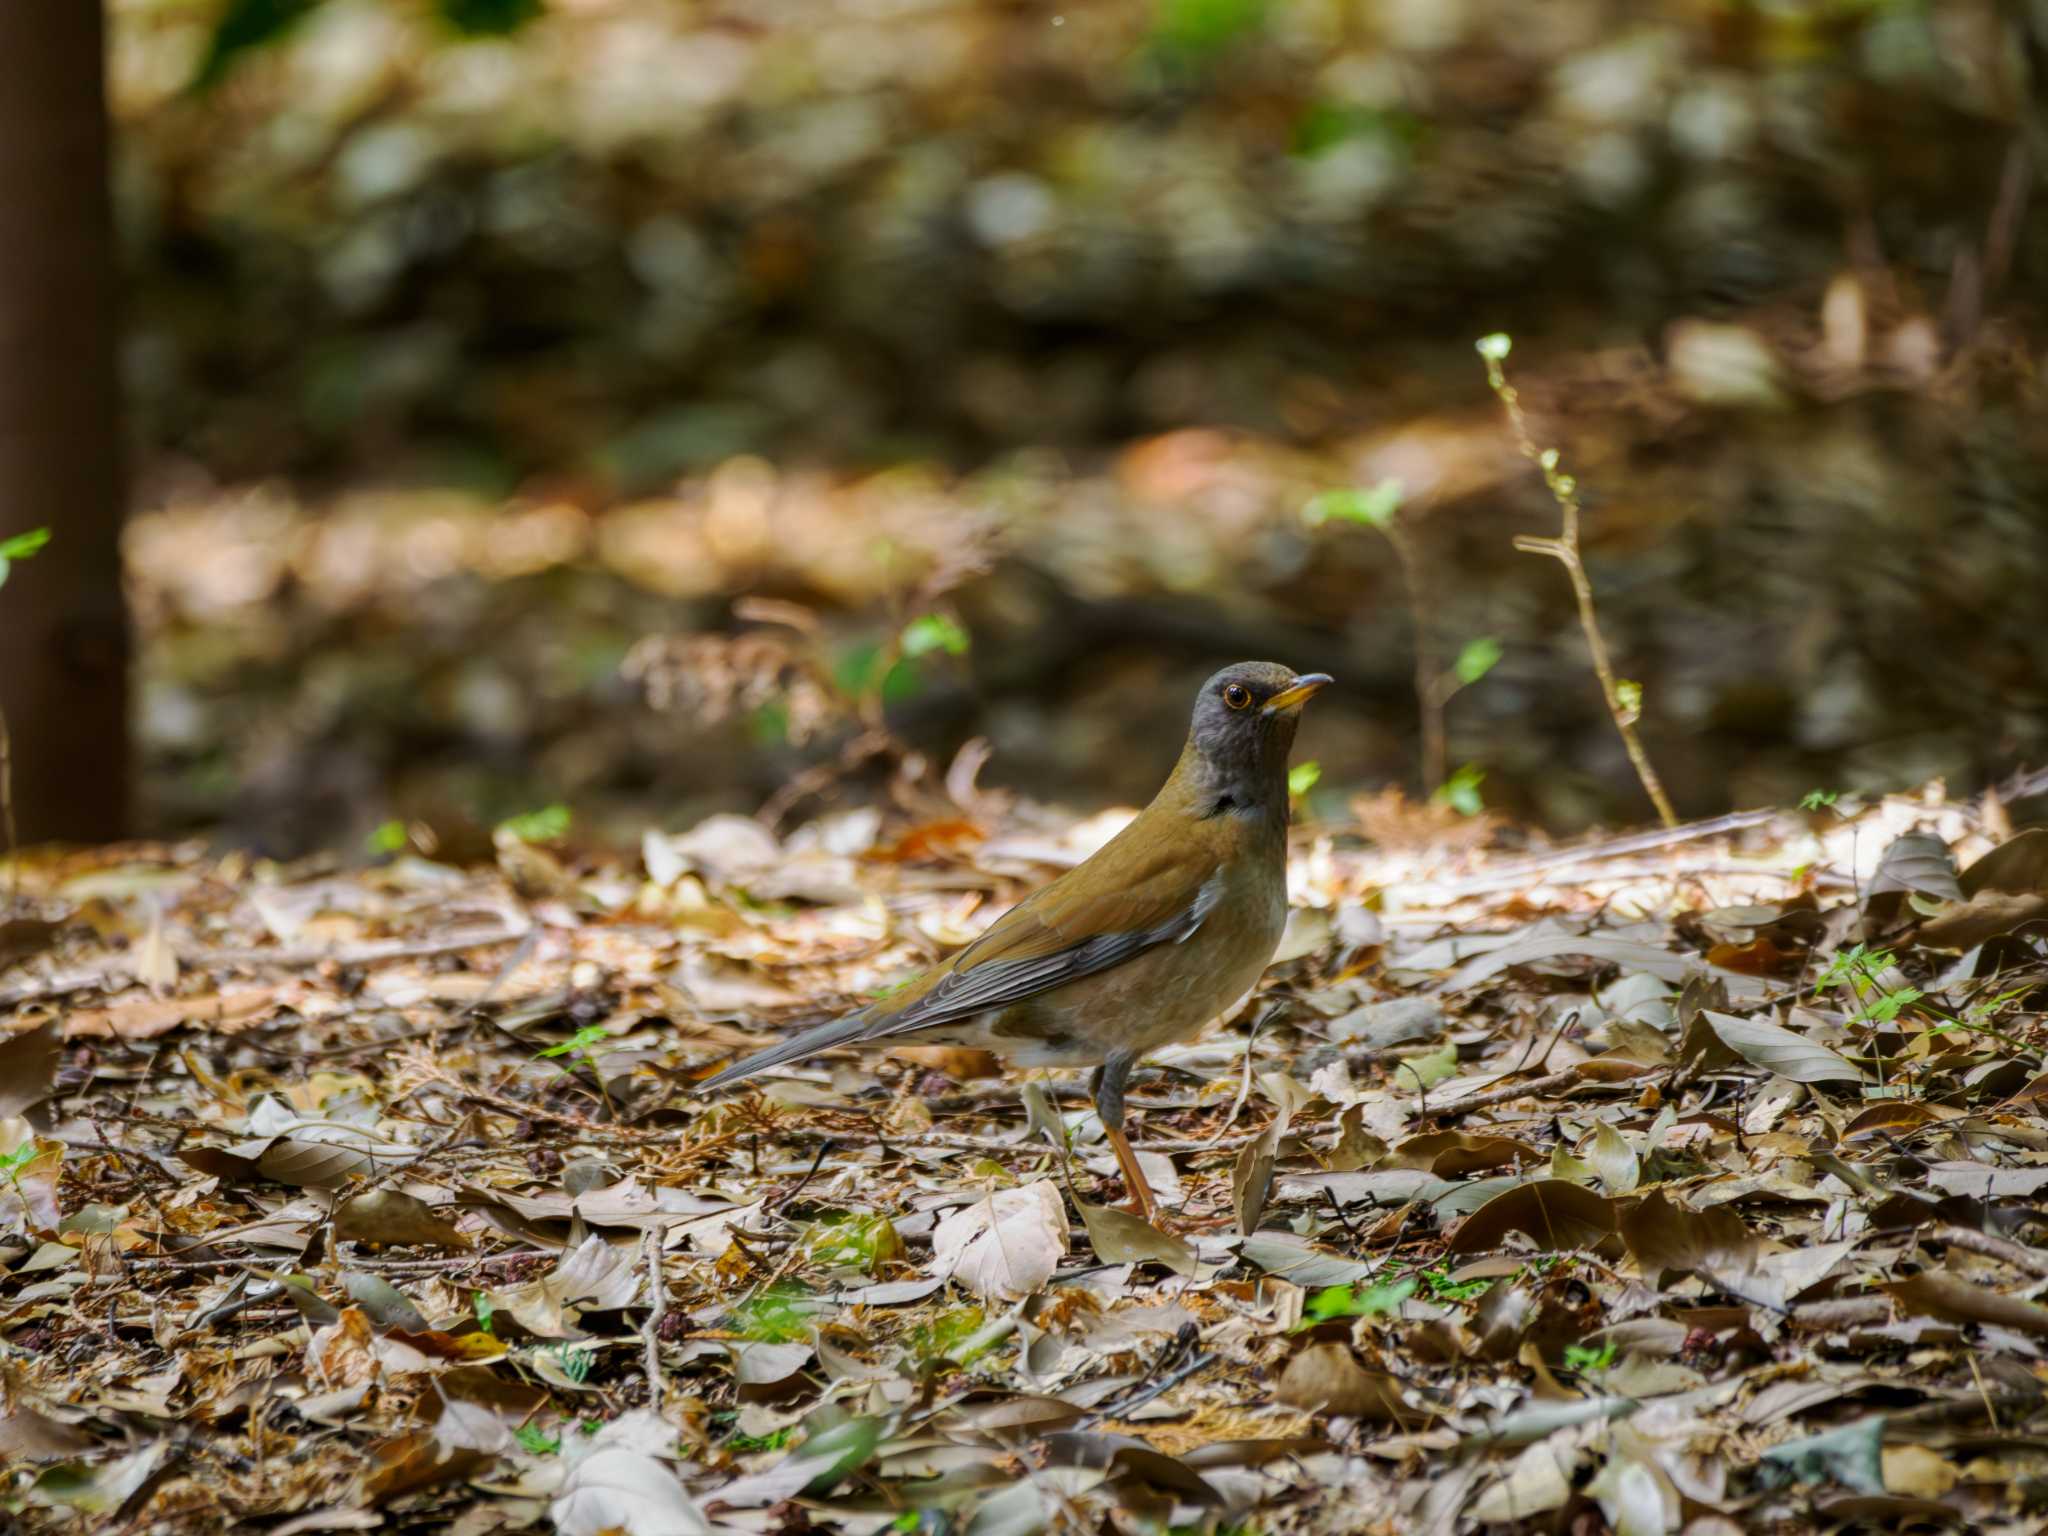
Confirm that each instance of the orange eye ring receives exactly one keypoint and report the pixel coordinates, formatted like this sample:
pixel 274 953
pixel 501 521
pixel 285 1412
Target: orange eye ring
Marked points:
pixel 1237 696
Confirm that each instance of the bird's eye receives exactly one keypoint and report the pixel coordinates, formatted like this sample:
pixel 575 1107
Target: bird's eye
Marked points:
pixel 1237 696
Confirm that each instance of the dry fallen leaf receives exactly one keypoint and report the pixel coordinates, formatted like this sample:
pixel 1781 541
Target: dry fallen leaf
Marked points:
pixel 1006 1244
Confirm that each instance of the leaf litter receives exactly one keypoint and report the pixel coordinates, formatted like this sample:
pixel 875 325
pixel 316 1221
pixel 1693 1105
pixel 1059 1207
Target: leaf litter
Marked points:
pixel 1685 1185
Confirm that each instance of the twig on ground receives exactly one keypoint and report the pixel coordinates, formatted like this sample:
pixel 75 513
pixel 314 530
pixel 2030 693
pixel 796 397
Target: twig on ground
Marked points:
pixel 1991 1246
pixel 657 1309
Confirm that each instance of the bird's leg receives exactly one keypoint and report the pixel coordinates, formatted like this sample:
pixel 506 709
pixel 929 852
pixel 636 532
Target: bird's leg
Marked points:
pixel 1106 1086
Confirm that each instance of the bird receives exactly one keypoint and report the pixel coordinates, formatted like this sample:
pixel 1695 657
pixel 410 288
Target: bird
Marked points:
pixel 1145 942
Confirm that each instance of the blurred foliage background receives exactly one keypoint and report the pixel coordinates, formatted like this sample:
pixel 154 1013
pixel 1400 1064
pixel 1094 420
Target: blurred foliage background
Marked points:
pixel 634 402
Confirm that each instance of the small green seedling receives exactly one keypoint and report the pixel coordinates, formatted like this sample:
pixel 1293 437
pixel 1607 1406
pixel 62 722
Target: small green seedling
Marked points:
pixel 1337 1301
pixel 1587 1359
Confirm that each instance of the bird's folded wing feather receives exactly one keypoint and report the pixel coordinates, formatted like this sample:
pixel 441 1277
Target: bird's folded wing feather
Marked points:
pixel 1135 896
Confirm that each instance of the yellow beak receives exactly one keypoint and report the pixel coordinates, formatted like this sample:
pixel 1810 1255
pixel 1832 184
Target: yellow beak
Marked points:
pixel 1306 687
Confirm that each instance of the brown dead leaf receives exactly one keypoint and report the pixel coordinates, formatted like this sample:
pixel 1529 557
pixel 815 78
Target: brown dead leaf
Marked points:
pixel 1118 1237
pixel 26 1435
pixel 145 1018
pixel 414 1460
pixel 932 842
pixel 1251 1182
pixel 392 1218
pixel 2004 891
pixel 1664 1238
pixel 24 937
pixel 1554 1214
pixel 1456 1154
pixel 1916 863
pixel 1895 1117
pixel 1933 1293
pixel 1328 1378
pixel 28 1066
pixel 1759 957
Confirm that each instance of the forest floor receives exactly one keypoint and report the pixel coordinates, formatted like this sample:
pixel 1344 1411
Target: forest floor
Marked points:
pixel 1678 1181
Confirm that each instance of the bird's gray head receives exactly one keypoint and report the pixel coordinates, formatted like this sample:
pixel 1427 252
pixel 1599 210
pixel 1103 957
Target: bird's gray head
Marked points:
pixel 1243 729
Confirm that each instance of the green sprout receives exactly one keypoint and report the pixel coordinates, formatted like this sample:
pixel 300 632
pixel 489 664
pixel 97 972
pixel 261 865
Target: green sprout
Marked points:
pixel 548 824
pixel 388 838
pixel 20 547
pixel 1442 1287
pixel 1373 507
pixel 774 1440
pixel 1461 790
pixel 1476 659
pixel 780 1314
pixel 1860 972
pixel 1587 1360
pixel 930 632
pixel 1337 1301
pixel 946 1335
pixel 537 1440
pixel 575 1361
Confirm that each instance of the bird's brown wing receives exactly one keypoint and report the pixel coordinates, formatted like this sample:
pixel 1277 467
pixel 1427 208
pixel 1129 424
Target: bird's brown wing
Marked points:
pixel 1137 892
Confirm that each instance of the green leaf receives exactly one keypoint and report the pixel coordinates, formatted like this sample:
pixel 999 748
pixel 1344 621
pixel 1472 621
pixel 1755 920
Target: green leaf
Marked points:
pixel 542 826
pixel 1345 1301
pixel 485 1308
pixel 1461 790
pixel 243 26
pixel 1193 31
pixel 778 1315
pixel 1584 1358
pixel 1629 696
pixel 581 1041
pixel 1303 777
pixel 1478 658
pixel 774 1440
pixel 389 838
pixel 1425 1071
pixel 21 545
pixel 1442 1287
pixel 1374 507
pixel 488 18
pixel 537 1440
pixel 1819 799
pixel 930 632
pixel 1494 348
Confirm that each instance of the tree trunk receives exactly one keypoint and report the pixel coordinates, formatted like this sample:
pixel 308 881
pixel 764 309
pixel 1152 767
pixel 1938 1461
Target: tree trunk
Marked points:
pixel 63 626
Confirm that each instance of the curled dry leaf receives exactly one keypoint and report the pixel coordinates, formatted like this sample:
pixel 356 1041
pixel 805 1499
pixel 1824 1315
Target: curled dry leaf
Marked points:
pixel 1664 1238
pixel 619 1490
pixel 1328 1378
pixel 1935 1294
pixel 28 1066
pixel 1781 1052
pixel 1553 1214
pixel 2002 892
pixel 1118 1237
pixel 392 1218
pixel 1916 864
pixel 1006 1244
pixel 1614 1160
pixel 1454 1154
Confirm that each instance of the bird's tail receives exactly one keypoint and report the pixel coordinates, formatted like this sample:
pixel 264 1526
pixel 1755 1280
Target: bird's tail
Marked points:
pixel 809 1043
